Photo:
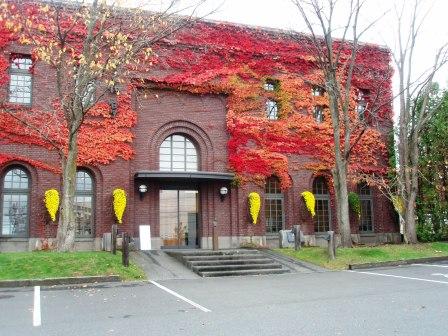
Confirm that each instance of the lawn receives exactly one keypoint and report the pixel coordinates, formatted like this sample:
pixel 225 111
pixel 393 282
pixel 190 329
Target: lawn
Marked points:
pixel 39 265
pixel 366 254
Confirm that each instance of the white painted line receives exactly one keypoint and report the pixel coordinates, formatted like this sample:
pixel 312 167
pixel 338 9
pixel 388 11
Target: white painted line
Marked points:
pixel 194 304
pixel 36 311
pixel 431 265
pixel 401 277
pixel 444 275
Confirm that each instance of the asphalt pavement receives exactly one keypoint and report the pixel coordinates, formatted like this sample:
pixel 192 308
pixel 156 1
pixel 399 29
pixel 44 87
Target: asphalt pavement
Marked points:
pixel 405 300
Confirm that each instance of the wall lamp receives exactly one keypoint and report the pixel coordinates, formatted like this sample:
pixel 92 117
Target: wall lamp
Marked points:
pixel 142 189
pixel 223 193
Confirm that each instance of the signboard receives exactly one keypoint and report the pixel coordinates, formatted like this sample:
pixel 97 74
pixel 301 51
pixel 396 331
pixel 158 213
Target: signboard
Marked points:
pixel 145 237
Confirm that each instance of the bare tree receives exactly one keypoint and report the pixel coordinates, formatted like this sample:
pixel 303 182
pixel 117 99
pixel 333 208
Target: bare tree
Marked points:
pixel 336 58
pixel 93 48
pixel 416 109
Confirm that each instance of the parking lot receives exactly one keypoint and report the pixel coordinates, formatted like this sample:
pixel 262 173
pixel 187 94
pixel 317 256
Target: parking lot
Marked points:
pixel 406 300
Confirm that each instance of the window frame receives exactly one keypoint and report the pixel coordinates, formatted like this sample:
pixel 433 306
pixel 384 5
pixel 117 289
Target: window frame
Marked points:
pixel 317 91
pixel 92 194
pixel 367 198
pixel 271 85
pixel 324 197
pixel 186 140
pixel 361 103
pixel 269 109
pixel 276 196
pixel 21 72
pixel 320 109
pixel 15 191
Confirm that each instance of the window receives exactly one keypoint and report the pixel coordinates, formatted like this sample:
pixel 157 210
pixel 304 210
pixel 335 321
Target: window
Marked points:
pixel 271 109
pixel 317 91
pixel 89 95
pixel 365 196
pixel 178 153
pixel 273 206
pixel 20 82
pixel 15 198
pixel 271 85
pixel 323 211
pixel 318 114
pixel 84 199
pixel 361 102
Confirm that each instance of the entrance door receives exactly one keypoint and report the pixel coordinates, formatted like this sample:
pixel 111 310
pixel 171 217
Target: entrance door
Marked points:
pixel 179 218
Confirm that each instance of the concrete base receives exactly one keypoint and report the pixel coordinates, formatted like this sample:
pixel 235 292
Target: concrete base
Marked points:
pixel 377 238
pixel 225 242
pixel 37 244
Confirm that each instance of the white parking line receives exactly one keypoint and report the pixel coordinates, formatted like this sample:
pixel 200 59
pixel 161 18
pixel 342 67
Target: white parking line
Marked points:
pixel 194 304
pixel 401 277
pixel 36 311
pixel 431 265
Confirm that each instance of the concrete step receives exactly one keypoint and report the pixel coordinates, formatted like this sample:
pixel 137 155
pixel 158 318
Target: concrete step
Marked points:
pixel 222 257
pixel 209 252
pixel 229 268
pixel 242 272
pixel 229 262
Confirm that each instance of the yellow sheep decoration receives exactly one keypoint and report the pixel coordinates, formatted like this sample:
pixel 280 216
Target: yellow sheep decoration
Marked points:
pixel 254 206
pixel 52 202
pixel 310 202
pixel 119 203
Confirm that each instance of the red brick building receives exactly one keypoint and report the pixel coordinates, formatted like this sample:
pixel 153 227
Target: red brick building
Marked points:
pixel 179 181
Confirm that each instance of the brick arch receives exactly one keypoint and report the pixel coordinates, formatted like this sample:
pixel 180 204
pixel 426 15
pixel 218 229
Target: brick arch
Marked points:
pixel 193 132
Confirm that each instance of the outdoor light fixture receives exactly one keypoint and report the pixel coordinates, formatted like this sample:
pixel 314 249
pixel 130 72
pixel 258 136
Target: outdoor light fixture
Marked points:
pixel 142 189
pixel 223 192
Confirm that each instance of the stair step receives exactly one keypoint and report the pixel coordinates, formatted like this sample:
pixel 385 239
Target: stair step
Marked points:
pixel 242 272
pixel 222 257
pixel 210 253
pixel 229 262
pixel 236 267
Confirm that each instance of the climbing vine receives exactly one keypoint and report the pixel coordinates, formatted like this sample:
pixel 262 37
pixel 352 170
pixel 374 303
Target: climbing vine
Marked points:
pixel 218 58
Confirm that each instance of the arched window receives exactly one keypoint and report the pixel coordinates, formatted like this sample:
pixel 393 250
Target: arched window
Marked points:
pixel 15 199
pixel 273 205
pixel 84 201
pixel 323 210
pixel 178 153
pixel 365 196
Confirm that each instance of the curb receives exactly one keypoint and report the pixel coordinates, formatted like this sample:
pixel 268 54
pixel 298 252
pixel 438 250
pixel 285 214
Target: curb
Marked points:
pixel 396 263
pixel 58 281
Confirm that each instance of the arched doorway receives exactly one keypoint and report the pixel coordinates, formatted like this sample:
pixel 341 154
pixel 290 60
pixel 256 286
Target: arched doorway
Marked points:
pixel 178 202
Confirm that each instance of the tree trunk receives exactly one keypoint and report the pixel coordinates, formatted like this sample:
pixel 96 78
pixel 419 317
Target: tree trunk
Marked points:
pixel 412 190
pixel 67 224
pixel 339 172
pixel 341 193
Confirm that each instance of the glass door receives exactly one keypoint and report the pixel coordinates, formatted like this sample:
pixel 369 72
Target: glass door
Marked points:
pixel 179 218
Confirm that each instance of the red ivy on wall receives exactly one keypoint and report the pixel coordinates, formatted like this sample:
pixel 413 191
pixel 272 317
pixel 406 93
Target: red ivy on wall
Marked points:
pixel 236 61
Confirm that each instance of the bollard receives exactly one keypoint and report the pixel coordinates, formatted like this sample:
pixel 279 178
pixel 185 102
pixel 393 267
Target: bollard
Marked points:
pixel 125 249
pixel 331 245
pixel 215 236
pixel 114 238
pixel 297 241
